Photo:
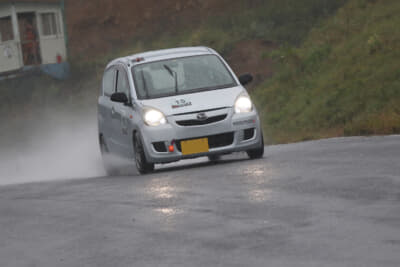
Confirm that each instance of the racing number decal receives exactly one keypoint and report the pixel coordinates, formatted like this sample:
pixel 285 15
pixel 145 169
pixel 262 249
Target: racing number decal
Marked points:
pixel 180 103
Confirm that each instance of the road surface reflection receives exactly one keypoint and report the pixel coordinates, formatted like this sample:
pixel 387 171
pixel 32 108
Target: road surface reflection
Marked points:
pixel 257 178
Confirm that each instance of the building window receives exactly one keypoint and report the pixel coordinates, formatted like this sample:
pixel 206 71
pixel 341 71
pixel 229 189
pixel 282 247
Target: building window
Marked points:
pixel 49 24
pixel 6 32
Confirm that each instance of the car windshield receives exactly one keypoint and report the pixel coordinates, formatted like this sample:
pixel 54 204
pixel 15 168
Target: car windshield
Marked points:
pixel 181 76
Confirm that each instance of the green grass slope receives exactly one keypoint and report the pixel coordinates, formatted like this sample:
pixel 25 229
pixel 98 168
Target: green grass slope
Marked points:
pixel 277 21
pixel 343 80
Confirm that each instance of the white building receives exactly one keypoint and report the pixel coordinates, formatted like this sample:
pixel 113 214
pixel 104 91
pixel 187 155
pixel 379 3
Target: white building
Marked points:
pixel 31 33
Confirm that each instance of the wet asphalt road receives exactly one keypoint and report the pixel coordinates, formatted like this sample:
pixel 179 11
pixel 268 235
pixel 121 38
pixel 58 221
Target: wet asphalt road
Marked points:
pixel 326 203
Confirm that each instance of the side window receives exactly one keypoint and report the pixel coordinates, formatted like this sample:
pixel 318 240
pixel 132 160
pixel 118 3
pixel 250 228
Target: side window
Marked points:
pixel 122 82
pixel 6 32
pixel 109 82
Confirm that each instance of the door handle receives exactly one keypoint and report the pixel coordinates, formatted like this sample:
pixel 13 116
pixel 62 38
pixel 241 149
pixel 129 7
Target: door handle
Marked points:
pixel 112 111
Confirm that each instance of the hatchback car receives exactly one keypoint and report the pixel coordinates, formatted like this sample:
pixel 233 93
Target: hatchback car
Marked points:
pixel 167 105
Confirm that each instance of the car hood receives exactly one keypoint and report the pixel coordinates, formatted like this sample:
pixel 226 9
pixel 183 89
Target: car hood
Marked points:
pixel 205 100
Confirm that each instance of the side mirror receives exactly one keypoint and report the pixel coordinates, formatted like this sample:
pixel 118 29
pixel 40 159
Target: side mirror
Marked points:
pixel 119 98
pixel 245 79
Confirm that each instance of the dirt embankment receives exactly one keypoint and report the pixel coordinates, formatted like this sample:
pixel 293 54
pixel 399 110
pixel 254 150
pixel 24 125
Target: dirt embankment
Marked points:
pixel 248 57
pixel 95 26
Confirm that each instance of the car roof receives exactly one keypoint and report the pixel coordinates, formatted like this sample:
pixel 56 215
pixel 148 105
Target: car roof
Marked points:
pixel 162 54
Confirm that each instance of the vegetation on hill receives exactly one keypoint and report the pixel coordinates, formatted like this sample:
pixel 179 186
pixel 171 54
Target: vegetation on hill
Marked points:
pixel 277 21
pixel 343 80
pixel 215 23
pixel 98 27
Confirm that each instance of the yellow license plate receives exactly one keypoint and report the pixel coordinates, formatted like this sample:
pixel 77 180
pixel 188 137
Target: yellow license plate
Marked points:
pixel 194 146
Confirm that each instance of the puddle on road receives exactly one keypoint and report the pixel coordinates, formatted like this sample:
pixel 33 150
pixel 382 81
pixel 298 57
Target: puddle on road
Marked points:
pixel 257 177
pixel 163 192
pixel 168 212
pixel 260 195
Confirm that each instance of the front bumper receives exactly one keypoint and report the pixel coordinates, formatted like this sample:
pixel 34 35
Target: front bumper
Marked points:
pixel 236 132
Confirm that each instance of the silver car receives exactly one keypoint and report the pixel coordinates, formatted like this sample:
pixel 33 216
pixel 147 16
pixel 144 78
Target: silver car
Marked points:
pixel 167 105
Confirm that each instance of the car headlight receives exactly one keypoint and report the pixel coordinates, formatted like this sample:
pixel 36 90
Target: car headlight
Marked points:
pixel 243 104
pixel 154 117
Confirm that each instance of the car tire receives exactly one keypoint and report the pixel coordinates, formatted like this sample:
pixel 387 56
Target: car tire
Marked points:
pixel 106 156
pixel 142 165
pixel 257 153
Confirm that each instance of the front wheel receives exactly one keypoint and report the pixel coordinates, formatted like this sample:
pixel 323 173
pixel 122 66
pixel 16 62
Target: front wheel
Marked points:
pixel 257 152
pixel 140 158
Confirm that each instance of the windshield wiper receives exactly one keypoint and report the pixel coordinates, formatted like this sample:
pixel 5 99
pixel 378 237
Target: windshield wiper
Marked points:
pixel 173 74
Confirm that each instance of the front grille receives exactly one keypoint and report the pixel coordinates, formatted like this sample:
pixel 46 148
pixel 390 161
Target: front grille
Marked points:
pixel 202 122
pixel 199 111
pixel 248 134
pixel 214 141
pixel 160 147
